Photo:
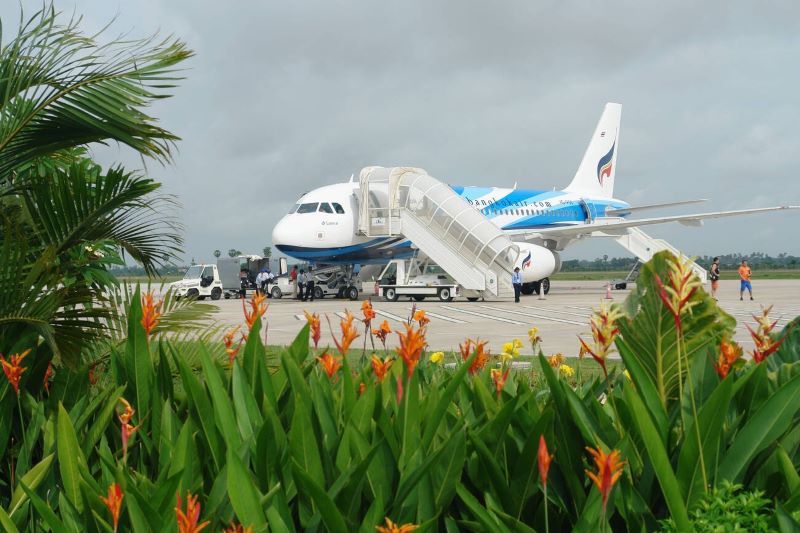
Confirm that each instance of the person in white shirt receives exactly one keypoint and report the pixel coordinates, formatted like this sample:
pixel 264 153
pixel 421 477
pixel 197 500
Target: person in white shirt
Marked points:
pixel 516 280
pixel 301 284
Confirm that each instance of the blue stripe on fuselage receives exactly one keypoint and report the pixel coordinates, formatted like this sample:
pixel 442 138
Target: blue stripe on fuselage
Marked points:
pixel 376 250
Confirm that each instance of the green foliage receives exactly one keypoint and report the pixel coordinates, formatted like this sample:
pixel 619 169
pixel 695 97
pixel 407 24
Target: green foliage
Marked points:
pixel 729 509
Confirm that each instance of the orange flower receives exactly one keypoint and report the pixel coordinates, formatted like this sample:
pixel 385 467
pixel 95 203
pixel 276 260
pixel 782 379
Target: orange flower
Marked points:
pixel 499 378
pixel 480 359
pixel 544 460
pixel 609 469
pixel 765 346
pixel 420 317
pixel 555 360
pixel 369 313
pixel 47 375
pixel 258 307
pixel 151 312
pixel 314 326
pixel 127 429
pixel 237 528
pixel 349 334
pixel 330 364
pixel 114 502
pixel 228 341
pixel 361 388
pixel 412 343
pixel 13 369
pixel 391 527
pixel 604 331
pixel 729 352
pixel 92 375
pixel 187 522
pixel 381 367
pixel 382 332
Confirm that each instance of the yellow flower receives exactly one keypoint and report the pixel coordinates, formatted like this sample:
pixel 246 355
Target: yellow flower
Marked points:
pixel 566 371
pixel 437 357
pixel 533 337
pixel 627 374
pixel 506 357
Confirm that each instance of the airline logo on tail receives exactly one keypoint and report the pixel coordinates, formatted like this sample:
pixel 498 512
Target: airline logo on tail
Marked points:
pixel 526 263
pixel 604 165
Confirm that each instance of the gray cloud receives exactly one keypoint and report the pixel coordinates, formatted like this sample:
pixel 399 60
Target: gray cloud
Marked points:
pixel 286 96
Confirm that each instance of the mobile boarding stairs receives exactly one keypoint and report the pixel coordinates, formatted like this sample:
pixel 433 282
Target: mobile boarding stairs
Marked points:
pixel 407 202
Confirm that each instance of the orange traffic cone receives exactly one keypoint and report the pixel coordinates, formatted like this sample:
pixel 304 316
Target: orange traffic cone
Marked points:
pixel 608 292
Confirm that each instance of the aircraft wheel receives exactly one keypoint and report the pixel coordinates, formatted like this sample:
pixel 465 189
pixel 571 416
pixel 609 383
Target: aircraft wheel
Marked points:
pixel 536 287
pixel 216 293
pixel 444 294
pixel 390 294
pixel 352 293
pixel 276 293
pixel 527 288
pixel 318 294
pixel 545 285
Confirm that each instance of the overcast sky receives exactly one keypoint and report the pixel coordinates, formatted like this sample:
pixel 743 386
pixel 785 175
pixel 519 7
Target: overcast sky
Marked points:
pixel 284 96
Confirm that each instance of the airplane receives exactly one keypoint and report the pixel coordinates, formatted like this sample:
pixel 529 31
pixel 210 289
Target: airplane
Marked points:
pixel 322 226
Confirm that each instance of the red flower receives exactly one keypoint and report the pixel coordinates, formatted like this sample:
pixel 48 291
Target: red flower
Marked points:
pixel 609 469
pixel 127 429
pixel 151 312
pixel 114 502
pixel 604 330
pixel 14 369
pixel 683 283
pixel 544 460
pixel 47 375
pixel 187 522
pixel 238 529
pixel 765 346
pixel 361 388
pixel 499 379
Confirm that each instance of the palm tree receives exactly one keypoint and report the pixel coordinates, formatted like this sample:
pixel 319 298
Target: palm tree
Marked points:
pixel 267 251
pixel 217 253
pixel 233 252
pixel 63 219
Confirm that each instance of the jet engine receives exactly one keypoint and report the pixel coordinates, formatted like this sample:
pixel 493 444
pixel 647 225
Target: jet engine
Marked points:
pixel 536 262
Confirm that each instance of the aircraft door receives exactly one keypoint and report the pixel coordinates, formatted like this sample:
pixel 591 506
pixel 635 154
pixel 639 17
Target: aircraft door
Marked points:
pixel 588 211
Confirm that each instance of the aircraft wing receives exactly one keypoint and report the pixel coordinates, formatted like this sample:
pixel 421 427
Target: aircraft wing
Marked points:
pixel 614 226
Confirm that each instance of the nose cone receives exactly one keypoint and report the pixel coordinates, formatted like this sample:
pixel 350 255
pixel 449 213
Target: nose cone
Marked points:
pixel 285 234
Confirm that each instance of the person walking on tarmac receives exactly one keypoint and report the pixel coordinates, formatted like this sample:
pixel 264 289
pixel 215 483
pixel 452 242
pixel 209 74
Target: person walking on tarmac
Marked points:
pixel 301 283
pixel 310 285
pixel 744 278
pixel 516 280
pixel 293 279
pixel 713 273
pixel 261 281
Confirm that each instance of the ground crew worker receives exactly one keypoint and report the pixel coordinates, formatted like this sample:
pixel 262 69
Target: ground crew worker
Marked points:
pixel 301 282
pixel 516 280
pixel 310 285
pixel 744 280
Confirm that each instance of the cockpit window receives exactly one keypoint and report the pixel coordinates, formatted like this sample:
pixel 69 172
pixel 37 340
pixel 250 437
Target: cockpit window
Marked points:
pixel 338 208
pixel 325 208
pixel 307 208
pixel 294 208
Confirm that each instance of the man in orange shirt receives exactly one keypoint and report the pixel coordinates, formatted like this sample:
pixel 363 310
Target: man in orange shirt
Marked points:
pixel 744 278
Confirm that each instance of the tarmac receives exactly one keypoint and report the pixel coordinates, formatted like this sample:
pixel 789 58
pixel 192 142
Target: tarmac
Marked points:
pixel 561 316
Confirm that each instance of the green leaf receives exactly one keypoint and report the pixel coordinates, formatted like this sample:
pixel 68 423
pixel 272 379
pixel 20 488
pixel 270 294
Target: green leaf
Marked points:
pixel 223 409
pixel 643 381
pixel 331 516
pixel 31 479
pixel 244 496
pixel 6 523
pixel 761 430
pixel 433 421
pixel 70 458
pixel 481 514
pixel 45 511
pixel 659 458
pixel 102 420
pixel 709 421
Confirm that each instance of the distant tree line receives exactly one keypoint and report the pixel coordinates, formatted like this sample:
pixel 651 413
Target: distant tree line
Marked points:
pixel 756 260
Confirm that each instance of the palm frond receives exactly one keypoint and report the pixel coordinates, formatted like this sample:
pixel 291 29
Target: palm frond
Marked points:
pixel 60 89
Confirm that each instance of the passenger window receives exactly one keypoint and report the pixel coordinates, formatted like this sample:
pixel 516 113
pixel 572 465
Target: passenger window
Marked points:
pixel 325 208
pixel 338 208
pixel 307 208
